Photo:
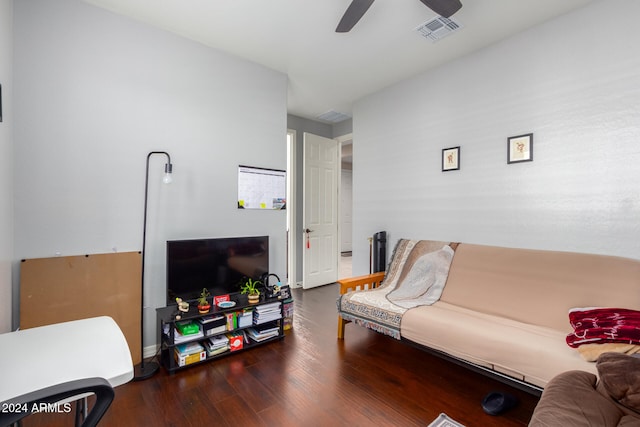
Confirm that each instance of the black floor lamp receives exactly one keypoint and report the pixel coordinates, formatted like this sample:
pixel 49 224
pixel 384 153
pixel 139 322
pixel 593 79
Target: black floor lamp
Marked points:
pixel 144 370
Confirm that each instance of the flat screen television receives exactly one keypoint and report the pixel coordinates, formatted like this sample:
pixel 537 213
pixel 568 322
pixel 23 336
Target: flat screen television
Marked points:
pixel 219 264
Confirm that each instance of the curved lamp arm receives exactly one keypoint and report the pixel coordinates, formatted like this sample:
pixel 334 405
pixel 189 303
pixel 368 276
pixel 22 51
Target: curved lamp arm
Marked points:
pixel 143 371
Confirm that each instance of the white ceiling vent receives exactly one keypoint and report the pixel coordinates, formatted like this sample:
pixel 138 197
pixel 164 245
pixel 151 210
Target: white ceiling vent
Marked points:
pixel 333 117
pixel 438 28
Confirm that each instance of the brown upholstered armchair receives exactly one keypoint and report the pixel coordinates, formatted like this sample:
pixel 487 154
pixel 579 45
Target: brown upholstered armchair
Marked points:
pixel 578 398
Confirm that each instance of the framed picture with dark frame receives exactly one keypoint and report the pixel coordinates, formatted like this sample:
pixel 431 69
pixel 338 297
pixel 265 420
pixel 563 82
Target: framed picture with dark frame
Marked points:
pixel 520 148
pixel 450 159
pixel 0 103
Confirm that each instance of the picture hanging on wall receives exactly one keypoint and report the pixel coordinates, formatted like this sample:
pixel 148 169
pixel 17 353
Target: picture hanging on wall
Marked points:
pixel 520 148
pixel 261 188
pixel 0 103
pixel 450 159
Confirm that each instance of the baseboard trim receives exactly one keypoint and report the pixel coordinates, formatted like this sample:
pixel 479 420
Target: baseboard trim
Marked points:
pixel 150 351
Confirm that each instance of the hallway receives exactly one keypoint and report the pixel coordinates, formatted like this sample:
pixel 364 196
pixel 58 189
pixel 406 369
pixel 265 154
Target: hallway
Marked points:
pixel 345 265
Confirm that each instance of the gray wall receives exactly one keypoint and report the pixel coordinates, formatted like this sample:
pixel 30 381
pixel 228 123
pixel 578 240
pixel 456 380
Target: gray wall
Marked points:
pixel 6 163
pixel 343 128
pixel 577 91
pixel 94 93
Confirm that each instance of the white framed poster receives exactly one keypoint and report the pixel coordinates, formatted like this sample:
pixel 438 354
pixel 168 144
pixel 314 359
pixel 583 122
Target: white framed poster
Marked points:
pixel 261 188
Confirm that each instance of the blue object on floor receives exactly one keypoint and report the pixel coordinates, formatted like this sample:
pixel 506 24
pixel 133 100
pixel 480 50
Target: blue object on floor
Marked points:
pixel 498 402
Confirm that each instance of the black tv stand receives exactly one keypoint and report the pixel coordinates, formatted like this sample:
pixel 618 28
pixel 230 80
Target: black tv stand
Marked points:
pixel 169 338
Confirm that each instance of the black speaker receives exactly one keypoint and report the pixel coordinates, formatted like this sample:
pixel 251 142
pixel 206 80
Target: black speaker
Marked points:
pixel 379 251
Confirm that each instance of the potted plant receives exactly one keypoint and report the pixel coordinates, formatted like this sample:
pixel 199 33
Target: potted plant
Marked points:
pixel 250 287
pixel 203 304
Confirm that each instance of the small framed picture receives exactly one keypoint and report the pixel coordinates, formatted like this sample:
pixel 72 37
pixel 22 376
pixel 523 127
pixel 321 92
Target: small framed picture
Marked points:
pixel 520 148
pixel 450 159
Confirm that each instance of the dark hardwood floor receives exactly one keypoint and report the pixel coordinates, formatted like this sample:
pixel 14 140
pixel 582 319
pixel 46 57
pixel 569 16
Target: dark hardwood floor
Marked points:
pixel 311 379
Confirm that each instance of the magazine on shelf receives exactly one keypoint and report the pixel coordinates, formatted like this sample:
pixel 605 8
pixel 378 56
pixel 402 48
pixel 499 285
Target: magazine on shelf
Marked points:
pixel 218 341
pixel 267 313
pixel 264 319
pixel 217 345
pixel 266 328
pixel 212 318
pixel 216 351
pixel 268 306
pixel 261 335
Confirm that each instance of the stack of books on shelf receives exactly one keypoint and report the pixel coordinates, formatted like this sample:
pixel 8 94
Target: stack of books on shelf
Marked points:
pixel 263 333
pixel 217 345
pixel 266 313
pixel 188 353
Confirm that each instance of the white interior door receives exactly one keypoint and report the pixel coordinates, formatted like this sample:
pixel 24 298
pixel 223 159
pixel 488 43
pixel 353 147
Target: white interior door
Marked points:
pixel 320 211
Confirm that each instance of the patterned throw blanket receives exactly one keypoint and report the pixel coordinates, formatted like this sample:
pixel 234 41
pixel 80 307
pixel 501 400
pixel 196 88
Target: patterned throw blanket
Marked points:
pixel 603 325
pixel 425 279
pixel 412 272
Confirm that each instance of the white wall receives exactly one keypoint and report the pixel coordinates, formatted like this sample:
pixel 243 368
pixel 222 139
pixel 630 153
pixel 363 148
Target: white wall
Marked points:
pixel 576 88
pixel 96 92
pixel 6 163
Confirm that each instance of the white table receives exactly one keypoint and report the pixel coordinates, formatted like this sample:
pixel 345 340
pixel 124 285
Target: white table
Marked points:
pixel 38 358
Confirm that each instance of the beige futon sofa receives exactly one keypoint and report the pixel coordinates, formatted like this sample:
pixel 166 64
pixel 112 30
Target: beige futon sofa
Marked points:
pixel 503 310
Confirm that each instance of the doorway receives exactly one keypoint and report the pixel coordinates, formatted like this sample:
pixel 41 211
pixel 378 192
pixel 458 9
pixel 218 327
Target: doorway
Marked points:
pixel 346 206
pixel 320 210
pixel 295 233
pixel 292 188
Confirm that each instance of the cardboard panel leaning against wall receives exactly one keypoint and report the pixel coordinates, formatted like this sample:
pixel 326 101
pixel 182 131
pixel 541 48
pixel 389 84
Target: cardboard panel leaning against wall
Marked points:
pixel 60 289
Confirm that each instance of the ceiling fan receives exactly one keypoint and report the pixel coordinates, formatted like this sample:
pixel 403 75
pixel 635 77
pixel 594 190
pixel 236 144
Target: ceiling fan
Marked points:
pixel 358 8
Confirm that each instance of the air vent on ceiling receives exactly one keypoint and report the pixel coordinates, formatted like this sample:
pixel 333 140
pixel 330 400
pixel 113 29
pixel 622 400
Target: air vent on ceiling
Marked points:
pixel 438 28
pixel 333 117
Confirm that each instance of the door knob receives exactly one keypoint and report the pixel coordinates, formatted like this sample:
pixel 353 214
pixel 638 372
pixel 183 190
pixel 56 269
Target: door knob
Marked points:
pixel 307 231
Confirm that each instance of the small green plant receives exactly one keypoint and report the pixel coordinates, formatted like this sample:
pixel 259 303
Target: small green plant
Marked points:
pixel 250 287
pixel 202 300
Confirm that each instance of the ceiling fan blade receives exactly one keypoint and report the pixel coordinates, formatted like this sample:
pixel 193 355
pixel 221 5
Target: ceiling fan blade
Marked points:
pixel 354 12
pixel 444 8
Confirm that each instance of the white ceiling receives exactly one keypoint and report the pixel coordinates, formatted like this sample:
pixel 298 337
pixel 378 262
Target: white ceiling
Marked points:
pixel 329 71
